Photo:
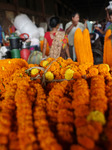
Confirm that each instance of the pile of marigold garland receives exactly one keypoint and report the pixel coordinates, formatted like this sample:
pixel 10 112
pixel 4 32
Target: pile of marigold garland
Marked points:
pixel 72 114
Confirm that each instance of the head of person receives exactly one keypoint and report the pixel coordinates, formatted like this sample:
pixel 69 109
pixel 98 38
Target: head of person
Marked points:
pixel 110 16
pixel 54 22
pixel 85 18
pixel 75 17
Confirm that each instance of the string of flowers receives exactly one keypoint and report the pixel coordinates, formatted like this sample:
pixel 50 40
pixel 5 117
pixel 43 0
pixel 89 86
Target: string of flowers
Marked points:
pixel 13 135
pixel 108 128
pixel 98 98
pixel 26 132
pixel 65 118
pixel 98 106
pixel 91 126
pixel 45 135
pixel 81 110
pixel 6 116
pixel 53 99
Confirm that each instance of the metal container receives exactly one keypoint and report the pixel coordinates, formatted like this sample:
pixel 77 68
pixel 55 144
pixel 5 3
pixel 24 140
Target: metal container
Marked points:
pixel 25 53
pixel 15 53
pixel 14 42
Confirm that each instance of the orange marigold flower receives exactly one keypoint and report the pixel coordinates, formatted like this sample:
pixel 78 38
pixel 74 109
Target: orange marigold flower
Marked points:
pixel 77 147
pixel 103 68
pixel 76 75
pixel 92 72
pixel 86 142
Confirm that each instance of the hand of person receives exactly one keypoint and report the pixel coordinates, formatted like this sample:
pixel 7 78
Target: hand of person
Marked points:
pixel 43 58
pixel 110 37
pixel 73 23
pixel 106 9
pixel 69 58
pixel 97 28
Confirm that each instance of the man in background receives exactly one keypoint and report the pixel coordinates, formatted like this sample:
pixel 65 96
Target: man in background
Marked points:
pixel 70 29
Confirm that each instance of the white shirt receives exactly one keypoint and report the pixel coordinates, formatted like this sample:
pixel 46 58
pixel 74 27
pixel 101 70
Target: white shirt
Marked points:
pixel 72 32
pixel 98 25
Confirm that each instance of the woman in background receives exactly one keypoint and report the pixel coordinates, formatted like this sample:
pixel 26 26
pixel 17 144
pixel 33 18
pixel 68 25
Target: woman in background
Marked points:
pixel 57 40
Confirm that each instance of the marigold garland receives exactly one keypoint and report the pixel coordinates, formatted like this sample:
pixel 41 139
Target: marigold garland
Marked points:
pixel 53 99
pixel 45 135
pixel 65 119
pixel 81 110
pixel 6 116
pixel 98 105
pixel 108 128
pixel 26 132
pixel 36 119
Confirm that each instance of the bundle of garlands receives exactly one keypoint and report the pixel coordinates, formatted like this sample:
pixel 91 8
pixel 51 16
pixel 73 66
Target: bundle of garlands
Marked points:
pixel 72 112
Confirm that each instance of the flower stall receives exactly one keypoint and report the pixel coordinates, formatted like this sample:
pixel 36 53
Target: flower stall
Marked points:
pixel 59 104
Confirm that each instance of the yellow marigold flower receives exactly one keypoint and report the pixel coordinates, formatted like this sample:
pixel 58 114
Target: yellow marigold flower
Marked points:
pixel 21 75
pixel 3 68
pixel 9 62
pixel 45 63
pixel 49 76
pixel 69 74
pixel 103 68
pixel 34 71
pixel 96 116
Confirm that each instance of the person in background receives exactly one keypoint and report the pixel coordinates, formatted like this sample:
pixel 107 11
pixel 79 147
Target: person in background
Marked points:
pixel 97 48
pixel 87 24
pixel 0 36
pixel 95 42
pixel 70 29
pixel 57 41
pixel 98 26
pixel 108 25
pixel 109 20
pixel 103 24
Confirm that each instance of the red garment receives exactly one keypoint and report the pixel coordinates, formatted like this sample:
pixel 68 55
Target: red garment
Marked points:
pixel 48 38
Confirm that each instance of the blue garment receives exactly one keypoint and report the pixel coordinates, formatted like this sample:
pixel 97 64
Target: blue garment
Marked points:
pixel 98 32
pixel 107 25
pixel 0 34
pixel 89 26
